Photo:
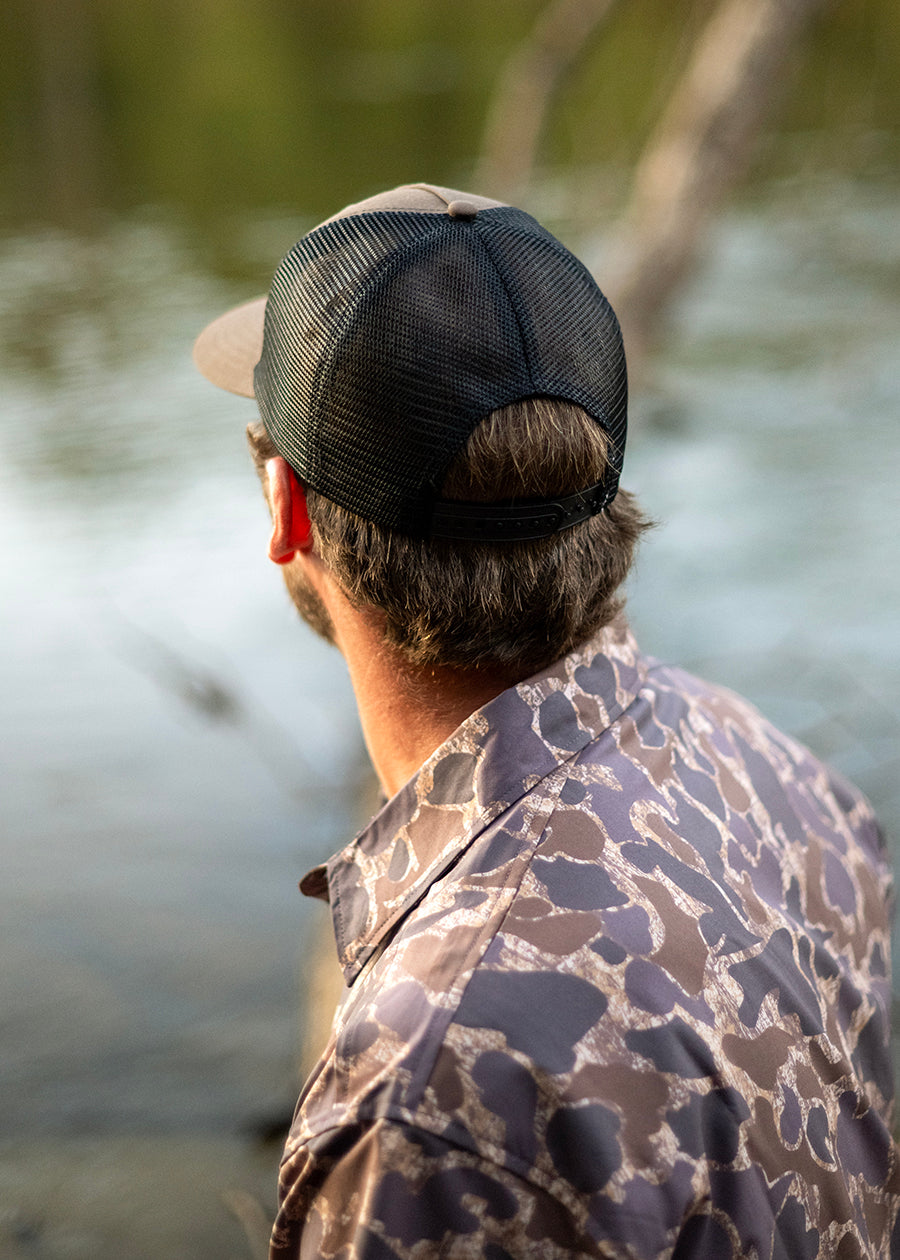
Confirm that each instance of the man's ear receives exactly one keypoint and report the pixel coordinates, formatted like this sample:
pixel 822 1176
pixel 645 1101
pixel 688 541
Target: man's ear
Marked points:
pixel 291 530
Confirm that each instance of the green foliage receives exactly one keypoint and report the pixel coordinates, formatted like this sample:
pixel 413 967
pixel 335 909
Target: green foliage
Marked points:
pixel 218 106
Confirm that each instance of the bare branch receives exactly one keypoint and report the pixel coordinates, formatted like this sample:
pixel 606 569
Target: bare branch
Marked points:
pixel 526 88
pixel 699 150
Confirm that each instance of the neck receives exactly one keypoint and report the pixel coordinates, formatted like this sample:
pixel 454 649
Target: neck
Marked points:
pixel 405 712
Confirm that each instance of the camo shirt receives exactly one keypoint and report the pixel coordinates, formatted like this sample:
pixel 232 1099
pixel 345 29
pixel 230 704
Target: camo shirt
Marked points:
pixel 617 969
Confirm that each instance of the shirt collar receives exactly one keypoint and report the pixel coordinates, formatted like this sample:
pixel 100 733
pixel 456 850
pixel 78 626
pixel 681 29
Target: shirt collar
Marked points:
pixel 488 763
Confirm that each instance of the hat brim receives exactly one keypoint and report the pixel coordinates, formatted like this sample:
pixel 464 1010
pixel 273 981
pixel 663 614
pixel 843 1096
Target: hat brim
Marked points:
pixel 229 348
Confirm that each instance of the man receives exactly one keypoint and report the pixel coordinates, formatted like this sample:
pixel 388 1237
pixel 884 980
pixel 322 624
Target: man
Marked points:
pixel 616 950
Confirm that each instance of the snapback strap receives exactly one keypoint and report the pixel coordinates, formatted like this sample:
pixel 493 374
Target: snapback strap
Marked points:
pixel 516 522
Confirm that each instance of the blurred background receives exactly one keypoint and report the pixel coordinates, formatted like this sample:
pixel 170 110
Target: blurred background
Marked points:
pixel 176 749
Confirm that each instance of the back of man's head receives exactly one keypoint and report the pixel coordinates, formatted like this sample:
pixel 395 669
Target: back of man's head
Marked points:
pixel 448 384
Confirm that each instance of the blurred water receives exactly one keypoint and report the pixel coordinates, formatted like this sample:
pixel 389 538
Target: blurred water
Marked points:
pixel 176 750
pixel 174 747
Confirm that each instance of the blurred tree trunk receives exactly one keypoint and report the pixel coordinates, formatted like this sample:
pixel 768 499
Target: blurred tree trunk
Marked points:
pixel 698 151
pixel 526 88
pixel 322 978
pixel 696 154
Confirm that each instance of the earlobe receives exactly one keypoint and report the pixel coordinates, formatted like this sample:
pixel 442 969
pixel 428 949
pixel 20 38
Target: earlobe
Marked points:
pixel 291 530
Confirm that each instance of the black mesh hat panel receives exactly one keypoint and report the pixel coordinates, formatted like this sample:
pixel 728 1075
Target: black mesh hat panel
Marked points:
pixel 312 292
pixel 433 347
pixel 572 336
pixel 390 334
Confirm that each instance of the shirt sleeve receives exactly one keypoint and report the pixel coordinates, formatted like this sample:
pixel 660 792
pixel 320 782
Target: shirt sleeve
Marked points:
pixel 389 1191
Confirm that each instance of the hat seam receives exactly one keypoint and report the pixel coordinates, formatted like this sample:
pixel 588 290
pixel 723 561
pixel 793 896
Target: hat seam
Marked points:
pixel 600 416
pixel 430 188
pixel 513 306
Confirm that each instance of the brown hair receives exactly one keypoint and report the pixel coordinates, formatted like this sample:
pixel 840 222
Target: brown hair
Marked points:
pixel 513 606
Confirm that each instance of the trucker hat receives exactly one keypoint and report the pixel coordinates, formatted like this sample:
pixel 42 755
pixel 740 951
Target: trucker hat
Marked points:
pixel 393 328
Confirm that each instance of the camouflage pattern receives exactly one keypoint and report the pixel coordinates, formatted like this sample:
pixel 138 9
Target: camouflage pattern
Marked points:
pixel 617 965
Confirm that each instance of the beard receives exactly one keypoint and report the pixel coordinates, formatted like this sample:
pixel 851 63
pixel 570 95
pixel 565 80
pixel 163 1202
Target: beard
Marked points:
pixel 308 603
